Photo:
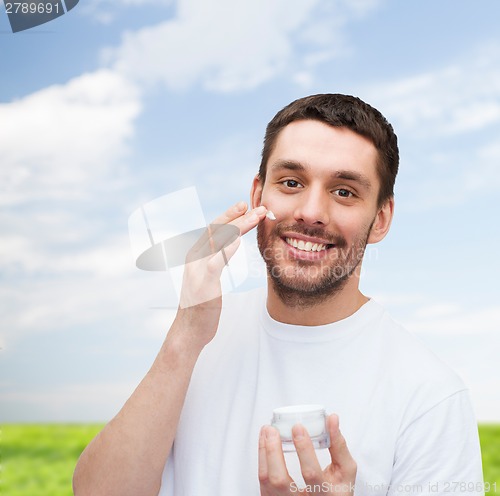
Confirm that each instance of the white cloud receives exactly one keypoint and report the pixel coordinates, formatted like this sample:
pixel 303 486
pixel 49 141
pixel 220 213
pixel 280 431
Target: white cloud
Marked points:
pixel 437 310
pixel 304 79
pixel 448 120
pixel 459 98
pixel 485 175
pixel 60 146
pixel 228 46
pixel 445 318
pixel 453 175
pixel 106 11
pixel 362 7
pixel 61 138
pixel 72 403
pixel 120 3
pixel 83 287
pixel 450 319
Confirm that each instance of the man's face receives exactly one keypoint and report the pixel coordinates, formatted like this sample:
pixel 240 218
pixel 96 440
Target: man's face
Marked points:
pixel 322 186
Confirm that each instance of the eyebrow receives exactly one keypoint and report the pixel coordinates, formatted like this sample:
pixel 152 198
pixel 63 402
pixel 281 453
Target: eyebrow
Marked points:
pixel 288 165
pixel 357 177
pixel 346 175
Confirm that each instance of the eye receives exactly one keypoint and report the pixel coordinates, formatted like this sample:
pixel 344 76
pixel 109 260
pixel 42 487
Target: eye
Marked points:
pixel 290 183
pixel 344 193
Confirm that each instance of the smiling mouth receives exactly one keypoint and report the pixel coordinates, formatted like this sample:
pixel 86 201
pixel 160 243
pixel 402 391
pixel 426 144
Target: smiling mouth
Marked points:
pixel 302 245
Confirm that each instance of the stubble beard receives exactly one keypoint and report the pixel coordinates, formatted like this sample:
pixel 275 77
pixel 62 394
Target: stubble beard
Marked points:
pixel 293 284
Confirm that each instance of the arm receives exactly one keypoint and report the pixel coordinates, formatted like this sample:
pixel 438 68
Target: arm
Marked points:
pixel 128 455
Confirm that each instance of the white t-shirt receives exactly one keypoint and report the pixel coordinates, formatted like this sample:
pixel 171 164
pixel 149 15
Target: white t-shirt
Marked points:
pixel 406 417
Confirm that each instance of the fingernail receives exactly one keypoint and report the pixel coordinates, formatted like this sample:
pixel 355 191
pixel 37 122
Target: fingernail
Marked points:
pixel 241 205
pixel 260 210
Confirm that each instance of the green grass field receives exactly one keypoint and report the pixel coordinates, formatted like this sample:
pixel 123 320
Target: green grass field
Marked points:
pixel 38 460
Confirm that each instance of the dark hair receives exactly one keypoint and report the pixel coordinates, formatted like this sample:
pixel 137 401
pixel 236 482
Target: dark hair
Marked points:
pixel 341 111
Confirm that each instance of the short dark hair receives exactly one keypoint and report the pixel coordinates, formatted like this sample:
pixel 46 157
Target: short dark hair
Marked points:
pixel 341 111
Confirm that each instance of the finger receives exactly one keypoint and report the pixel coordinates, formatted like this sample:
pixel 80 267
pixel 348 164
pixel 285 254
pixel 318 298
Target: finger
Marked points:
pixel 223 230
pixel 216 263
pixel 341 457
pixel 251 219
pixel 213 239
pixel 263 472
pixel 231 213
pixel 309 465
pixel 277 474
pixel 218 234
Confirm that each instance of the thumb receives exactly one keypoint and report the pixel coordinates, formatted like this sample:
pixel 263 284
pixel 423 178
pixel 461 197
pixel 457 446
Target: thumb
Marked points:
pixel 341 457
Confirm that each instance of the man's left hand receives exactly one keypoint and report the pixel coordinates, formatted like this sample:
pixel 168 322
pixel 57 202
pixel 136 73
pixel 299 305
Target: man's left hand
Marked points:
pixel 337 478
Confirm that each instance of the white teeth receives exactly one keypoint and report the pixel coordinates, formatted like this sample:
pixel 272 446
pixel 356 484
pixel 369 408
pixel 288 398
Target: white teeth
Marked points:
pixel 305 246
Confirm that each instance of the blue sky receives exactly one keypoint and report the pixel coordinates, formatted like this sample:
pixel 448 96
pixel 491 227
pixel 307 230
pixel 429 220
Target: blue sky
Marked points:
pixel 119 102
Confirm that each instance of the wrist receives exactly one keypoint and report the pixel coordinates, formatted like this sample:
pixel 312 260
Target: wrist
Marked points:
pixel 186 338
pixel 177 353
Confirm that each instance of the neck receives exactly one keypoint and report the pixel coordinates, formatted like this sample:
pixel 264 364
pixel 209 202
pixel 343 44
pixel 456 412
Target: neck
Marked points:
pixel 338 306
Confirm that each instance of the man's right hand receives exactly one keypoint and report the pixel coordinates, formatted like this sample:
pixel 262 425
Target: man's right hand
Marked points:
pixel 200 302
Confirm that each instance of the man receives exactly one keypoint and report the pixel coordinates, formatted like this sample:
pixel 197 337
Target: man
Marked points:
pixel 196 423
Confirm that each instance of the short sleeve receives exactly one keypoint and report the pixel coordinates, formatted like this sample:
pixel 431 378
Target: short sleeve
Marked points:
pixel 439 452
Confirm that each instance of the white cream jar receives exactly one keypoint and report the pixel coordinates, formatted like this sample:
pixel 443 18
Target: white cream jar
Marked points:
pixel 312 417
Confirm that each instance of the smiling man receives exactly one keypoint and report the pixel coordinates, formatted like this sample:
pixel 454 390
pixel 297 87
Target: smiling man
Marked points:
pixel 321 182
pixel 196 424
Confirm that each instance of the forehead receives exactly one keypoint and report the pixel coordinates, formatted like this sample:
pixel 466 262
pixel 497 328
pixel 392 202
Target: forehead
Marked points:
pixel 321 148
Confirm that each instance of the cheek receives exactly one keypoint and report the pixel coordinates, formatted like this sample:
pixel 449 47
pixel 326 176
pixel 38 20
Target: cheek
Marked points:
pixel 353 227
pixel 282 209
pixel 345 220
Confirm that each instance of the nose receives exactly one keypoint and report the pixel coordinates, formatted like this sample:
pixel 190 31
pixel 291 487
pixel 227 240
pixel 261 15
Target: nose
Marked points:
pixel 312 208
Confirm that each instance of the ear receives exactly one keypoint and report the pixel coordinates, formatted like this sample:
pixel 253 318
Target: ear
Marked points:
pixel 256 192
pixel 382 222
